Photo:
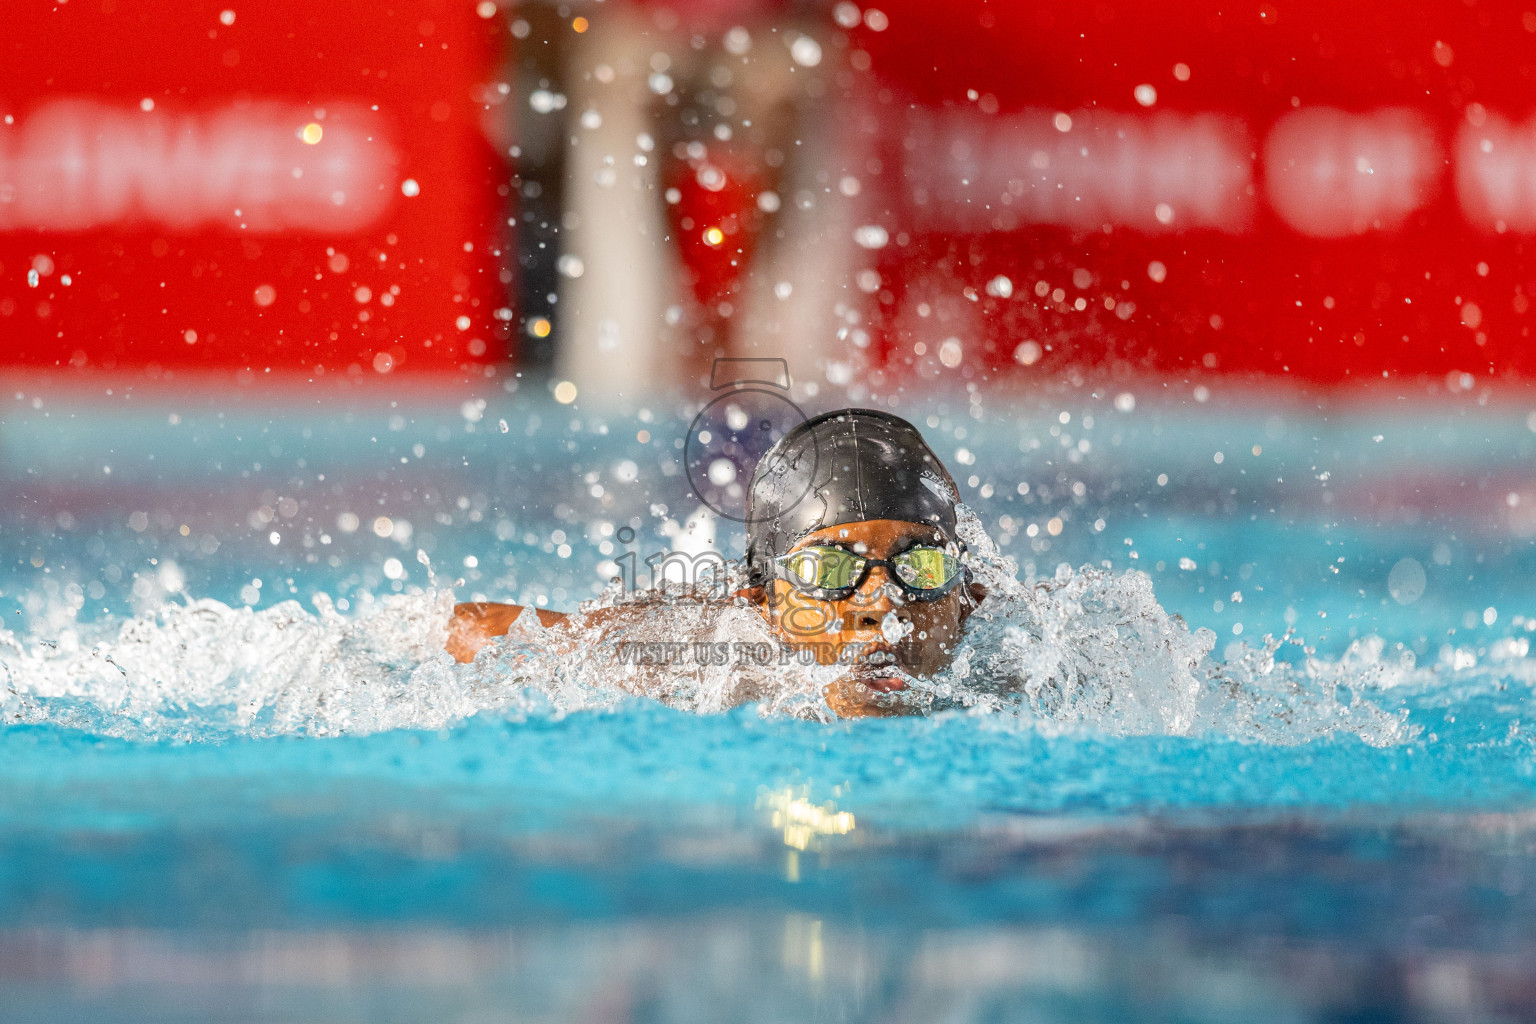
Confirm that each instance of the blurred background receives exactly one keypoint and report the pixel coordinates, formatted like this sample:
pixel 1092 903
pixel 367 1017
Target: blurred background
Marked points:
pixel 611 194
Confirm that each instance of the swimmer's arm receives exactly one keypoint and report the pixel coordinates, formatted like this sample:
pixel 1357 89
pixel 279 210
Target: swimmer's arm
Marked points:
pixel 475 623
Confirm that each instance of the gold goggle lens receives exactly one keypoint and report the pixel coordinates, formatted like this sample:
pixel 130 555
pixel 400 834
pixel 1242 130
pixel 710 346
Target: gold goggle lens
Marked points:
pixel 828 568
pixel 926 568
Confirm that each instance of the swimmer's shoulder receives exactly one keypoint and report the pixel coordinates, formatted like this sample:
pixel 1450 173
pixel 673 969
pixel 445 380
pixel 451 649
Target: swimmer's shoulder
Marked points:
pixel 475 623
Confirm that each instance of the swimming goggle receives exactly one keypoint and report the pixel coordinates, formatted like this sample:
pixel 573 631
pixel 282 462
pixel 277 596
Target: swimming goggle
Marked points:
pixel 833 573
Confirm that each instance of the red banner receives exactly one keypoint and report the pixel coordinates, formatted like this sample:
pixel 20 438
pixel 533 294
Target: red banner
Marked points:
pixel 1333 191
pixel 285 186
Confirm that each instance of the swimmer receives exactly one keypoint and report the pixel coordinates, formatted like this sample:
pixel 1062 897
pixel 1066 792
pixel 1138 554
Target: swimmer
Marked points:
pixel 852 553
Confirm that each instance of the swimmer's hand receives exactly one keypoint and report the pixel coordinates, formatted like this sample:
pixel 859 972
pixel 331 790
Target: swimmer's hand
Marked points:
pixel 475 623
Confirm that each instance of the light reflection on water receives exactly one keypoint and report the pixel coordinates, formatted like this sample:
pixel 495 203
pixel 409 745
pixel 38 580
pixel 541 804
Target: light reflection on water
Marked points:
pixel 714 967
pixel 1272 923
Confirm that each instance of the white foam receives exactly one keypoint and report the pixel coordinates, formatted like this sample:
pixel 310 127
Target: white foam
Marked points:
pixel 1087 650
pixel 202 669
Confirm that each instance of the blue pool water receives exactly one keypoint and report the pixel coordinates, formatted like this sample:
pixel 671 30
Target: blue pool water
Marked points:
pixel 237 801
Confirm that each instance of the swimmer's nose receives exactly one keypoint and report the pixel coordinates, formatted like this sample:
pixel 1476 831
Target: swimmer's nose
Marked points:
pixel 868 618
pixel 875 599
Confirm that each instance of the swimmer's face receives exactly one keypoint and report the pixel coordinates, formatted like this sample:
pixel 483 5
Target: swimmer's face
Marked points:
pixel 849 631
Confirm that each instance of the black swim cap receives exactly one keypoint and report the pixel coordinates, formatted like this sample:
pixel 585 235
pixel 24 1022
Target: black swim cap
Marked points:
pixel 844 467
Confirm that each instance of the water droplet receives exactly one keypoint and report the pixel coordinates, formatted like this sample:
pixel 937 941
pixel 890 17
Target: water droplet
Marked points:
pixel 805 51
pixel 893 628
pixel 871 236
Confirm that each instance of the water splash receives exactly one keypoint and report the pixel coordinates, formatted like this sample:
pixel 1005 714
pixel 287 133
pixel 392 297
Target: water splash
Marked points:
pixel 1087 651
pixel 669 644
pixel 1091 649
pixel 203 670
